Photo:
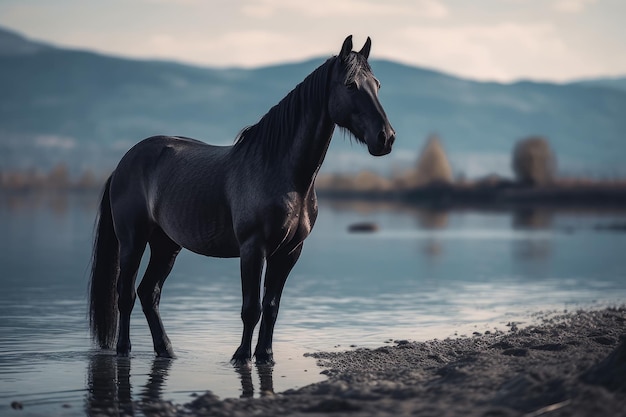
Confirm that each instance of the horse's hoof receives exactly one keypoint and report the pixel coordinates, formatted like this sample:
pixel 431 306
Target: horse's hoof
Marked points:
pixel 164 351
pixel 167 354
pixel 123 348
pixel 241 357
pixel 265 360
pixel 123 351
pixel 264 356
pixel 240 362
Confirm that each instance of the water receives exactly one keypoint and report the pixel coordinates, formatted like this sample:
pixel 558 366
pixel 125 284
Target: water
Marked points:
pixel 424 274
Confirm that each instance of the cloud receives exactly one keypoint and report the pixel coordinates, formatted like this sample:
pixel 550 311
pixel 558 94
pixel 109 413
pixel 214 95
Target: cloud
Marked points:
pixel 346 8
pixel 572 6
pixel 175 2
pixel 54 141
pixel 500 51
pixel 492 39
pixel 245 47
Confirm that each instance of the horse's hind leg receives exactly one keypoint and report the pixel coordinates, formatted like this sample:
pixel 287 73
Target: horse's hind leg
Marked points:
pixel 163 253
pixel 132 246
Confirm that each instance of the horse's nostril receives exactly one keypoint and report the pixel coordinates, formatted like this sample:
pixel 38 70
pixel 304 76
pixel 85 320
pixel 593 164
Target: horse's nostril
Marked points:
pixel 382 137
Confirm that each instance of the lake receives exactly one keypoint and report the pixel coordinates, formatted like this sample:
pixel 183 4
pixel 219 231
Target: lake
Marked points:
pixel 424 274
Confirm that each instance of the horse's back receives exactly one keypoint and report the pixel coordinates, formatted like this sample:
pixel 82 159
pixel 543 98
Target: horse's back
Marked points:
pixel 165 158
pixel 145 163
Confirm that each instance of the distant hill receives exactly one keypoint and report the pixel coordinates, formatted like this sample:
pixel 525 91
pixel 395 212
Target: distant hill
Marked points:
pixel 618 83
pixel 88 109
pixel 12 43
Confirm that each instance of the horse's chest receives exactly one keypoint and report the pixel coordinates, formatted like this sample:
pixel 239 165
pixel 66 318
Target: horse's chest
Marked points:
pixel 295 226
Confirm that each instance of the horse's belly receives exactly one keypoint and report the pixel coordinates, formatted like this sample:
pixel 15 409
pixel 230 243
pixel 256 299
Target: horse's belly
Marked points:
pixel 216 250
pixel 220 246
pixel 215 239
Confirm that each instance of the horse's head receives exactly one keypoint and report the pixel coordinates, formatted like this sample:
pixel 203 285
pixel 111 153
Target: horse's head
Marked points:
pixel 353 102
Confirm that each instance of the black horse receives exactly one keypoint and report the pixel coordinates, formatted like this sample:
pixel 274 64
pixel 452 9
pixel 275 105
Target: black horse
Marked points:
pixel 254 200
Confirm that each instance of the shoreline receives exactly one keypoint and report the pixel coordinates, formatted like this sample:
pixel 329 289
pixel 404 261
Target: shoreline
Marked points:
pixel 498 195
pixel 571 364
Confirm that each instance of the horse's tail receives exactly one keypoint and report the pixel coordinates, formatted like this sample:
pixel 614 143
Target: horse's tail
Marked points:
pixel 103 311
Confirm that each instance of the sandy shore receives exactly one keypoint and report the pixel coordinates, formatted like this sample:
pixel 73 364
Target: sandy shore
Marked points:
pixel 572 364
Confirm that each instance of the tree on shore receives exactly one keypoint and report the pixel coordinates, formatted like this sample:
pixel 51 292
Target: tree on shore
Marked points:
pixel 58 177
pixel 432 167
pixel 534 162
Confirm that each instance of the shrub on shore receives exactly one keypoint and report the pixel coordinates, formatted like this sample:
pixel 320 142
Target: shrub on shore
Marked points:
pixel 534 162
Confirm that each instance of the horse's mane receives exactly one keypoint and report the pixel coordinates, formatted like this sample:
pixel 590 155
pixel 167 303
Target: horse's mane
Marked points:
pixel 274 132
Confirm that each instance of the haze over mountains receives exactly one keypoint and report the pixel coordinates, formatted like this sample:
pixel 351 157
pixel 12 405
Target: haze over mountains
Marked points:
pixel 87 109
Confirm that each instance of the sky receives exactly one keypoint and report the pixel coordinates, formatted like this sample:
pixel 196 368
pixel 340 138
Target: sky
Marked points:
pixel 499 40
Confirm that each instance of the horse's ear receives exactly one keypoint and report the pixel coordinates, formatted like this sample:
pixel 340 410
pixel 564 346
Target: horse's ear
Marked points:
pixel 346 48
pixel 365 51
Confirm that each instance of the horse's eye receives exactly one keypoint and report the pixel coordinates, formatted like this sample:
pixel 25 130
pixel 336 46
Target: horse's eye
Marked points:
pixel 352 85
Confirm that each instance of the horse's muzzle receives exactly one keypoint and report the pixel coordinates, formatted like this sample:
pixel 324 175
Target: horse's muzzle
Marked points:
pixel 384 142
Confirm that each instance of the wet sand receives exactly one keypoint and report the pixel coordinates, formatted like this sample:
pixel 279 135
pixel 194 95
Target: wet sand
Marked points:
pixel 572 364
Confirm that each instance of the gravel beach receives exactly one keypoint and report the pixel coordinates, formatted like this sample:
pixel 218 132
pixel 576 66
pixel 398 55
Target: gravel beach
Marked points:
pixel 570 364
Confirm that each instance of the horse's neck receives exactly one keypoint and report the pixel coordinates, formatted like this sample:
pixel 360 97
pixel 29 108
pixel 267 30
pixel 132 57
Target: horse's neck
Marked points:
pixel 292 138
pixel 305 143
pixel 309 147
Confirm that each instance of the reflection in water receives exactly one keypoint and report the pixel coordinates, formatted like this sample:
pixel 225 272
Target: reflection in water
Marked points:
pixel 265 375
pixel 432 219
pixel 432 248
pixel 366 206
pixel 109 389
pixel 153 390
pixel 427 218
pixel 108 386
pixel 532 249
pixel 532 218
pixel 58 202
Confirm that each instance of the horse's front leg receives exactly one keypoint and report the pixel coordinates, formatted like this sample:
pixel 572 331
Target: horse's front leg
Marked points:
pixel 278 268
pixel 252 257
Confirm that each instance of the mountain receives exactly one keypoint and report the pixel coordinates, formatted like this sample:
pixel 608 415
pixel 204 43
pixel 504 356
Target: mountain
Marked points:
pixel 618 83
pixel 87 109
pixel 12 43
